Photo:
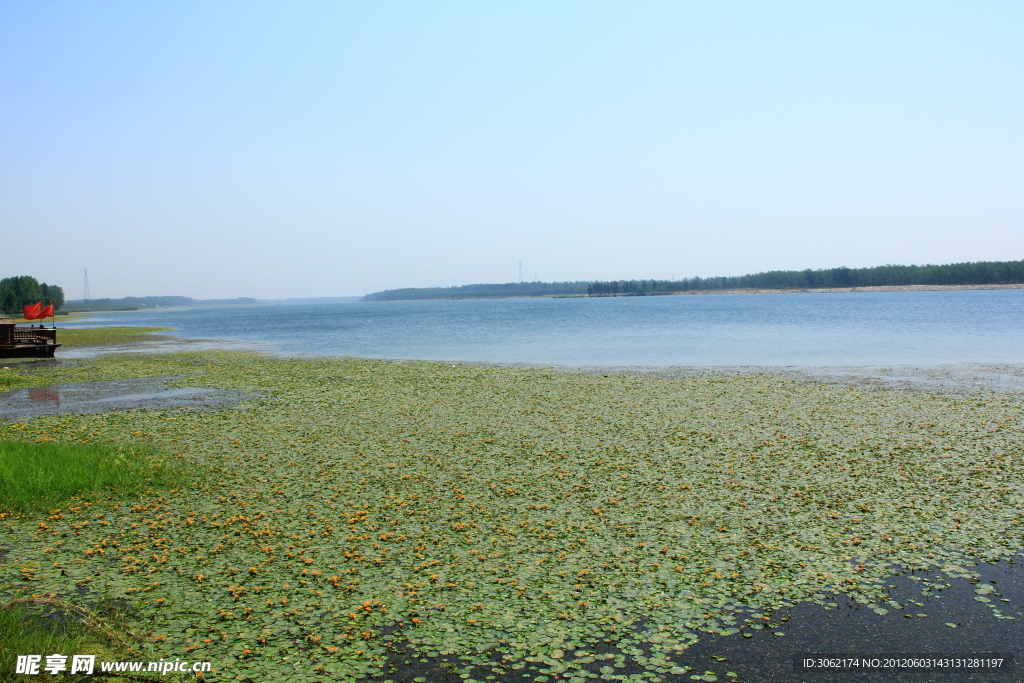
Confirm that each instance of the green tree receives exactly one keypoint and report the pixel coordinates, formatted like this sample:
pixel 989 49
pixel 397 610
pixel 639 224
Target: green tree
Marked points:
pixel 22 290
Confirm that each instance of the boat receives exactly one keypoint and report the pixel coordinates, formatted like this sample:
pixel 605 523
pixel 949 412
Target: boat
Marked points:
pixel 26 342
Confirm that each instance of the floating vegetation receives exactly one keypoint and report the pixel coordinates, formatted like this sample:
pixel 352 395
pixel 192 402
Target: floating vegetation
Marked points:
pixel 515 520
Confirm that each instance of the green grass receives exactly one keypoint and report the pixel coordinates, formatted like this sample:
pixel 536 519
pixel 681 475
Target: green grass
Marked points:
pixel 45 626
pixel 24 631
pixel 38 476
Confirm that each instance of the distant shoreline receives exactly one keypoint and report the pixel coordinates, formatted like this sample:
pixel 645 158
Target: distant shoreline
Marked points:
pixel 692 292
pixel 877 288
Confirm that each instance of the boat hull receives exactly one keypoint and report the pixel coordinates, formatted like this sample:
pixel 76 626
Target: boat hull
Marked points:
pixel 27 350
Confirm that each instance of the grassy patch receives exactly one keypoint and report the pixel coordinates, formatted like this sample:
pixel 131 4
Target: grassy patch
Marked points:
pixel 96 336
pixel 25 631
pixel 38 476
pixel 45 626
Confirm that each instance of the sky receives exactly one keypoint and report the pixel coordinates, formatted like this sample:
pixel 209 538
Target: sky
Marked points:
pixel 306 149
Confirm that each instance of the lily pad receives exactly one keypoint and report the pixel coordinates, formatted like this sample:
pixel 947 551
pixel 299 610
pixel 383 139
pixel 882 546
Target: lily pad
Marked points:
pixel 456 508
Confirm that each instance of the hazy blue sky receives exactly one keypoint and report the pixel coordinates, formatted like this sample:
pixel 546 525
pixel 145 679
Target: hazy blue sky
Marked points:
pixel 222 149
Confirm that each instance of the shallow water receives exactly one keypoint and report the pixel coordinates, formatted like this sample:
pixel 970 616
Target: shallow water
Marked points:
pixel 918 628
pixel 842 329
pixel 111 395
pixel 162 343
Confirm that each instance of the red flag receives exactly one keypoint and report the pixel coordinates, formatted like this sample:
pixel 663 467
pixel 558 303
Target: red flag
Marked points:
pixel 33 311
pixel 46 312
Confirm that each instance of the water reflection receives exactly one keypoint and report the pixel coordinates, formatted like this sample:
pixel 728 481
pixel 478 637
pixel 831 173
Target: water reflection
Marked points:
pixel 45 394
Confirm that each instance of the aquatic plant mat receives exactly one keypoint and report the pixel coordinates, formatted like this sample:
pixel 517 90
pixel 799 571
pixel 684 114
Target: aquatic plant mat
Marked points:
pixel 422 521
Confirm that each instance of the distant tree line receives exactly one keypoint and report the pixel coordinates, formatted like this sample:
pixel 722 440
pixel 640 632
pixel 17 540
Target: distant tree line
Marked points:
pixel 133 303
pixel 628 288
pixel 978 273
pixel 23 290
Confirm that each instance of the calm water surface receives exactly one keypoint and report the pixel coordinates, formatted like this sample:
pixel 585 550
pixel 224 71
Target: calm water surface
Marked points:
pixel 878 328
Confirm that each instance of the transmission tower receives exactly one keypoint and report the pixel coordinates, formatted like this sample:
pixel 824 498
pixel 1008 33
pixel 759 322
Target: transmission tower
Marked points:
pixel 520 271
pixel 85 288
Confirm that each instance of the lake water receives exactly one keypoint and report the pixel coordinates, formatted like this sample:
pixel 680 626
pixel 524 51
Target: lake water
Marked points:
pixel 877 328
